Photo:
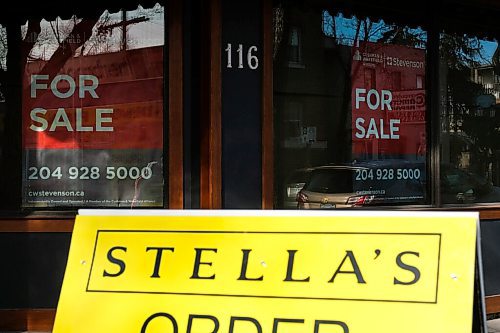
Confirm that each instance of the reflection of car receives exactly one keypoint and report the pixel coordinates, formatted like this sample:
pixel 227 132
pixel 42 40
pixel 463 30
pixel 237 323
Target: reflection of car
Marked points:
pixel 293 185
pixel 361 184
pixel 333 187
pixel 459 186
pixel 373 183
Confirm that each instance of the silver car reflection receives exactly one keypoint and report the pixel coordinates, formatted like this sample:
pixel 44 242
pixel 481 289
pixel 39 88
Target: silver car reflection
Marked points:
pixel 363 184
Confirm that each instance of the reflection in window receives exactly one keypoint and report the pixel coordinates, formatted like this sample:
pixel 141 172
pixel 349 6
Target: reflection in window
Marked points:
pixel 396 81
pixel 470 120
pixel 292 125
pixel 111 32
pixel 420 82
pixel 93 110
pixel 363 109
pixel 370 78
pixel 3 71
pixel 294 44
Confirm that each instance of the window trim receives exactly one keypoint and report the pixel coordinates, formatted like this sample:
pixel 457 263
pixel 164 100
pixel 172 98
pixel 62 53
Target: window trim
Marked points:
pixel 175 170
pixel 267 108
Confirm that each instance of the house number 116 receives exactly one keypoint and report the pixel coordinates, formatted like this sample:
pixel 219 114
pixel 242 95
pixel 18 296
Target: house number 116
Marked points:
pixel 252 60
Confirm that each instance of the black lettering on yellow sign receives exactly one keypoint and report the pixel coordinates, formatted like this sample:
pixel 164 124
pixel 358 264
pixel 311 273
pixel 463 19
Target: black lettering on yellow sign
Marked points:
pixel 254 321
pixel 413 269
pixel 285 320
pixel 203 273
pixel 212 318
pixel 356 270
pixel 159 252
pixel 116 261
pixel 233 327
pixel 244 267
pixel 289 269
pixel 198 263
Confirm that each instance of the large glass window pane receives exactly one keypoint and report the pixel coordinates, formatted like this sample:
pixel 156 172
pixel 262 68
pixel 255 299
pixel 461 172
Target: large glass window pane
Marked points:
pixel 93 104
pixel 470 119
pixel 350 121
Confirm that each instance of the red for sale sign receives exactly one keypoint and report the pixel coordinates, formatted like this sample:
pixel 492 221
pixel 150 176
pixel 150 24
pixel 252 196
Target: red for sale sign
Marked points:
pixel 389 121
pixel 93 131
pixel 388 100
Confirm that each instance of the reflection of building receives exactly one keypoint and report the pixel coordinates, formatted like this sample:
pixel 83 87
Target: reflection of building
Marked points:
pixel 316 73
pixel 311 101
pixel 488 77
pixel 311 96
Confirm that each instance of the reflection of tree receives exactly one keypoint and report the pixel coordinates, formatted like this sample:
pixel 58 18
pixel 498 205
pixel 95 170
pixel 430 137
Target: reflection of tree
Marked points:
pixel 108 34
pixel 459 55
pixel 484 130
pixel 460 51
pixel 78 34
pixel 43 39
pixel 403 35
pixel 482 126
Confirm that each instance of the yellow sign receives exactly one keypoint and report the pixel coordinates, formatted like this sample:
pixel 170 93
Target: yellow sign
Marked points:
pixel 269 272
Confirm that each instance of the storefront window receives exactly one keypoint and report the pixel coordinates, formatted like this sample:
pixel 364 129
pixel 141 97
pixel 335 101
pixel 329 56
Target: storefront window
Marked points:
pixel 350 123
pixel 470 119
pixel 92 110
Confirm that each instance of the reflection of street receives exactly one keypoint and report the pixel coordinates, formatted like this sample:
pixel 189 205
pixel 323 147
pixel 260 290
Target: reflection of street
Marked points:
pixel 359 184
pixel 388 182
pixel 462 187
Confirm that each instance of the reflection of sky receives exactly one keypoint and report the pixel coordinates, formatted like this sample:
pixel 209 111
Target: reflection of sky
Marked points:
pixel 346 32
pixel 139 35
pixel 488 49
pixel 346 29
pixel 144 34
